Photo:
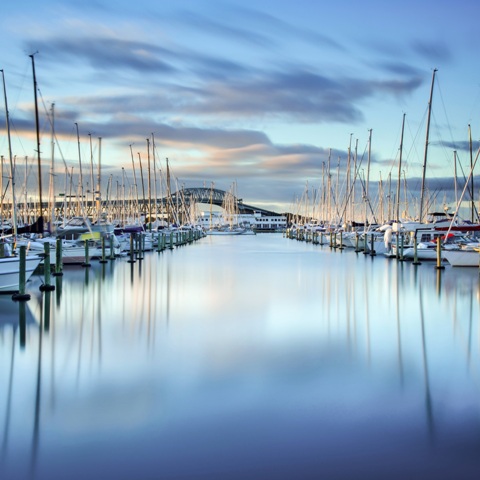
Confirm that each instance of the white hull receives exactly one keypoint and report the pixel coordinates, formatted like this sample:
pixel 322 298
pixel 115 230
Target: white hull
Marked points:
pixel 71 253
pixel 463 258
pixel 10 271
pixel 422 253
pixel 224 232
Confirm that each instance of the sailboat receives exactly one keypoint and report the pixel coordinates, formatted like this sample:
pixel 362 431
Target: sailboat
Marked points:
pixel 9 264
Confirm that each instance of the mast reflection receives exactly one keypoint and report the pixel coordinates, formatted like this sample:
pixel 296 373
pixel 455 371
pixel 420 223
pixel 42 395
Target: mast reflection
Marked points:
pixel 428 396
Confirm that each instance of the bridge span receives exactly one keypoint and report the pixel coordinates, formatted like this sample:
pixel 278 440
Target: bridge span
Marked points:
pixel 214 196
pixel 69 205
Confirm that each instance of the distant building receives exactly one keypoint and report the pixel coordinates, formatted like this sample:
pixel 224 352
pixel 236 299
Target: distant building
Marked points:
pixel 256 221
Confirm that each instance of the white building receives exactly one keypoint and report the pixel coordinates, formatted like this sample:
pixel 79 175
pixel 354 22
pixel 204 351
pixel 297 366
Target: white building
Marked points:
pixel 256 221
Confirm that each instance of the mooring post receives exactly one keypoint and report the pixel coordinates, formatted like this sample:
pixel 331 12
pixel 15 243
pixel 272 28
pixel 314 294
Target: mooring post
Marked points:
pixel 22 278
pixel 132 239
pixel 402 245
pixel 372 243
pixel 103 259
pixel 58 257
pixel 140 240
pixel 365 243
pixel 415 252
pixel 112 249
pixel 439 254
pixel 46 311
pixel 22 323
pixel 46 270
pixel 86 263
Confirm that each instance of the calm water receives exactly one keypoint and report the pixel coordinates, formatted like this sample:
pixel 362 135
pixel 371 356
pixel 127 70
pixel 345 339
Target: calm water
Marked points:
pixel 250 357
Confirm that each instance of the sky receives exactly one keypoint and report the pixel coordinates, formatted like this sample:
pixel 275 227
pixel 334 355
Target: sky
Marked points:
pixel 256 94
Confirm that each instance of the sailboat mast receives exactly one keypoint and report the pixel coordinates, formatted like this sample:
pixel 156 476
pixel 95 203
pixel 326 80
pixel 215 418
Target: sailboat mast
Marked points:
pixel 37 128
pixel 422 191
pixel 149 187
pixel 348 177
pixel 122 215
pixel 389 206
pixel 80 187
pixel 143 183
pixel 52 170
pixel 329 187
pixel 397 213
pixel 92 188
pixel 99 179
pixel 471 166
pixel 135 180
pixel 211 205
pixel 336 192
pixel 323 196
pixel 455 175
pixel 380 200
pixel 12 170
pixel 367 182
pixel 155 193
pixel 355 161
pixel 25 191
pixel 169 192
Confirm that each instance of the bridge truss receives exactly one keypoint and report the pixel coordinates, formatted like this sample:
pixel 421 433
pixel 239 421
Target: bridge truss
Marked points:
pixel 216 197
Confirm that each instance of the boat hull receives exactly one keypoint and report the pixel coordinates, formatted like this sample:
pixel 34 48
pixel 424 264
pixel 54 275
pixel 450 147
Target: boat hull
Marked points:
pixel 10 272
pixel 463 258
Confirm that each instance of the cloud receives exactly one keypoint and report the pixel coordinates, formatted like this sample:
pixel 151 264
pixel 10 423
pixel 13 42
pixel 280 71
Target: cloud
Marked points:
pixel 181 81
pixel 462 145
pixel 252 27
pixel 103 52
pixel 220 89
pixel 225 29
pixel 401 68
pixel 433 51
pixel 289 94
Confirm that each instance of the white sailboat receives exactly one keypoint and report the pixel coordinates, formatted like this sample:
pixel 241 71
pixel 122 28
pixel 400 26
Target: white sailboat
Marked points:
pixel 10 271
pixel 10 265
pixel 463 258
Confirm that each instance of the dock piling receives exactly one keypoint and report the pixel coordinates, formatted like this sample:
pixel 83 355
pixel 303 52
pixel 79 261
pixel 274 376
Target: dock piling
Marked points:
pixel 22 280
pixel 86 263
pixel 47 286
pixel 58 258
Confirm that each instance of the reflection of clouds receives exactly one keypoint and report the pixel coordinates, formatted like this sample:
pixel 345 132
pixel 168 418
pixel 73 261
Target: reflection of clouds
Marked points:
pixel 265 339
pixel 10 311
pixel 101 408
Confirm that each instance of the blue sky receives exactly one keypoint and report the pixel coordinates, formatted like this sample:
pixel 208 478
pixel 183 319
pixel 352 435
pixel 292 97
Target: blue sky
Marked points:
pixel 255 93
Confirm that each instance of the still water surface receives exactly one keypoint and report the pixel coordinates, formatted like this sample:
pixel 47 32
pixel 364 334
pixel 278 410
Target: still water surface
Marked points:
pixel 249 357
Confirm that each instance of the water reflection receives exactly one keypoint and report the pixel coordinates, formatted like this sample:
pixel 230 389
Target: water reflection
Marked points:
pixel 9 397
pixel 255 357
pixel 428 396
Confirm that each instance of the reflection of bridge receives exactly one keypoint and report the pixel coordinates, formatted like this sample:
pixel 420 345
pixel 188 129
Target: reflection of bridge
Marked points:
pixel 214 196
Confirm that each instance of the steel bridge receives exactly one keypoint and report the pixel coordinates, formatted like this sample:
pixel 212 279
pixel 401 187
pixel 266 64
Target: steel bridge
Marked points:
pixel 216 197
pixel 186 196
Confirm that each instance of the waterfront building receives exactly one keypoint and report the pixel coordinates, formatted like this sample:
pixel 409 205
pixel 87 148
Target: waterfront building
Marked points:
pixel 255 221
